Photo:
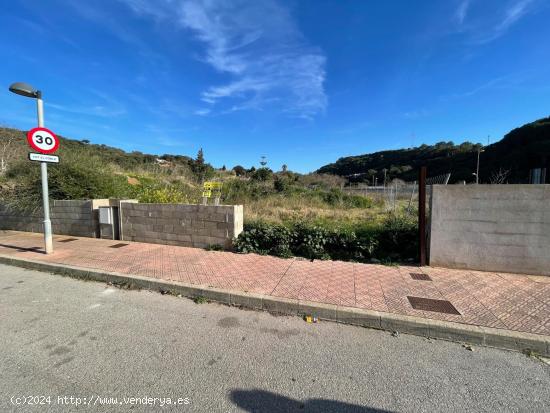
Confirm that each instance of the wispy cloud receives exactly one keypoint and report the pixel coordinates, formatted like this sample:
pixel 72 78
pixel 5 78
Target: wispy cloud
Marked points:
pixel 462 11
pixel 484 25
pixel 416 114
pixel 510 81
pixel 258 45
pixel 103 106
pixel 95 110
pixel 202 112
pixel 511 14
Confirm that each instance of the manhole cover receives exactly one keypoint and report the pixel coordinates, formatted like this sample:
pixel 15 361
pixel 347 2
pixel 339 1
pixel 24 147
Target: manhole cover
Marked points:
pixel 429 304
pixel 118 245
pixel 68 240
pixel 420 277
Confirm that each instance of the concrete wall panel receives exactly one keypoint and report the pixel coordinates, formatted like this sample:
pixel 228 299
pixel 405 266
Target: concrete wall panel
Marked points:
pixel 491 227
pixel 68 217
pixel 185 225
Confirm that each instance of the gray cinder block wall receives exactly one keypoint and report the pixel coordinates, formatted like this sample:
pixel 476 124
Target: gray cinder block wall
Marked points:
pixel 28 221
pixel 71 217
pixel 185 225
pixel 502 228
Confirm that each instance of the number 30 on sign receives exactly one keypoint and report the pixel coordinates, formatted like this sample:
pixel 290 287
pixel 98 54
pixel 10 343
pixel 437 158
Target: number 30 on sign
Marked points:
pixel 43 140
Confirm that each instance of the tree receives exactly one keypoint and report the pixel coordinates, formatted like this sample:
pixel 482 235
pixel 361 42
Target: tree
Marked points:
pixel 199 167
pixel 200 157
pixel 284 167
pixel 262 174
pixel 223 168
pixel 239 170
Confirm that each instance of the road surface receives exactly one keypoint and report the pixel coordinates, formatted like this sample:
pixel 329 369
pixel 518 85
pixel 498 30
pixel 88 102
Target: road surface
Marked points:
pixel 71 345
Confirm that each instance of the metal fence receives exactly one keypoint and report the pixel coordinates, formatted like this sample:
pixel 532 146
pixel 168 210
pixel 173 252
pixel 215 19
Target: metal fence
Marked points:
pixel 397 193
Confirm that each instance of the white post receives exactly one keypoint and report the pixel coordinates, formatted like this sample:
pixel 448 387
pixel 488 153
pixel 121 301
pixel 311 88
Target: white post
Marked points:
pixel 44 175
pixel 477 170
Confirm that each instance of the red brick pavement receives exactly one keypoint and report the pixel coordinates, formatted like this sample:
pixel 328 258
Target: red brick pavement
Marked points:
pixel 509 301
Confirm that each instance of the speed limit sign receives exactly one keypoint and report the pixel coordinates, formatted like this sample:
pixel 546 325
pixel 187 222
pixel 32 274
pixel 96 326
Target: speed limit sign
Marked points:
pixel 43 140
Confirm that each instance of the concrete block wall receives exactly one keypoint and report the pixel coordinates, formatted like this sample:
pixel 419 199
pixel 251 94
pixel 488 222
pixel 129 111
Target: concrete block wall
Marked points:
pixel 185 225
pixel 71 217
pixel 28 221
pixel 502 228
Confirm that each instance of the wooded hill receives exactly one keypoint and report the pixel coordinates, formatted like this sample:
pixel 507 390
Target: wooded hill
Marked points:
pixel 17 142
pixel 519 151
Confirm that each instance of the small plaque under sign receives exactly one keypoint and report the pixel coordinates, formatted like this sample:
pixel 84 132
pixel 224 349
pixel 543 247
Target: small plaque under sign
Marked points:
pixel 40 157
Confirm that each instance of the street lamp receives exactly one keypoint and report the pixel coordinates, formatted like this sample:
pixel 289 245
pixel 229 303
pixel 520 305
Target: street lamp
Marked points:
pixel 479 150
pixel 24 89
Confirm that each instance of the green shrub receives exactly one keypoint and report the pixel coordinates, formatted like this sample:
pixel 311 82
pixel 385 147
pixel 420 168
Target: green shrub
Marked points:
pixel 310 241
pixel 396 238
pixel 262 174
pixel 394 241
pixel 76 177
pixel 262 238
pixel 281 184
pixel 159 195
pixel 347 246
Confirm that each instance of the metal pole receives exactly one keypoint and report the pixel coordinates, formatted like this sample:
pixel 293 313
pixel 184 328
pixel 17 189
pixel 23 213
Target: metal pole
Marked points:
pixel 44 175
pixel 422 215
pixel 477 171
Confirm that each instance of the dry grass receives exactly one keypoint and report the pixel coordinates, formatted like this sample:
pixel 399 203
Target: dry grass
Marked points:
pixel 279 209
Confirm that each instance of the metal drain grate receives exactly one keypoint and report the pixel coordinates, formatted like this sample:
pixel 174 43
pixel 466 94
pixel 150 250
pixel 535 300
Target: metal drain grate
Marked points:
pixel 419 276
pixel 118 245
pixel 68 240
pixel 429 304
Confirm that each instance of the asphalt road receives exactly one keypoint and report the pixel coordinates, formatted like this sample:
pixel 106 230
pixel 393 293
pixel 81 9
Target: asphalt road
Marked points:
pixel 63 338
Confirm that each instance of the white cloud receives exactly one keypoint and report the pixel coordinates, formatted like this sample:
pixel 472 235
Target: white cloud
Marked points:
pixel 462 11
pixel 513 13
pixel 493 27
pixel 202 112
pixel 257 44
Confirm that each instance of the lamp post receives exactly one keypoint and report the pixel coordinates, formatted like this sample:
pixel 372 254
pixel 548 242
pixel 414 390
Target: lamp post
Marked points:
pixel 479 150
pixel 27 90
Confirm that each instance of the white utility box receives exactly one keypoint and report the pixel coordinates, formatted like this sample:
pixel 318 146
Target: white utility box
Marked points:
pixel 106 215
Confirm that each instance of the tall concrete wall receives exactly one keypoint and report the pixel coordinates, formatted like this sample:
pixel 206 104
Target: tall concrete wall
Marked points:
pixel 491 227
pixel 72 217
pixel 185 225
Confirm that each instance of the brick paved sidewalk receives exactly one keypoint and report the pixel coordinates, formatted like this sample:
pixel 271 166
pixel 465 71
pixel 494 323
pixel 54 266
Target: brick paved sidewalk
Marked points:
pixel 507 301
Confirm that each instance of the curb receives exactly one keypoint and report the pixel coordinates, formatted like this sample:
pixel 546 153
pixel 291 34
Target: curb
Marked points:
pixel 445 330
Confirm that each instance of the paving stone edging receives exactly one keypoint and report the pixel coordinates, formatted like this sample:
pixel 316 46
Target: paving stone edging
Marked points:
pixel 477 335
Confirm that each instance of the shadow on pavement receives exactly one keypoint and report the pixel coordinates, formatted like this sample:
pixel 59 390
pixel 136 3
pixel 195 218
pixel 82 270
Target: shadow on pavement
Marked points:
pixel 22 249
pixel 258 401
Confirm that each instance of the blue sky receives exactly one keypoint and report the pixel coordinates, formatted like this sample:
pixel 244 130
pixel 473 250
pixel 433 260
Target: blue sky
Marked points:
pixel 302 82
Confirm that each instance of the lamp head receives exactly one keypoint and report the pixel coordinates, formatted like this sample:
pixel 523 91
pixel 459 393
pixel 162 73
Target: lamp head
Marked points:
pixel 24 89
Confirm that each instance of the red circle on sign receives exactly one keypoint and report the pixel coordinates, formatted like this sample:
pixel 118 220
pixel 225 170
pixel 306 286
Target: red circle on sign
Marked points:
pixel 40 142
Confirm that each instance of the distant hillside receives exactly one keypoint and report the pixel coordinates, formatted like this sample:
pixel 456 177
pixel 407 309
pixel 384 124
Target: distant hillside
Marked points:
pixel 89 170
pixel 520 150
pixel 108 154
